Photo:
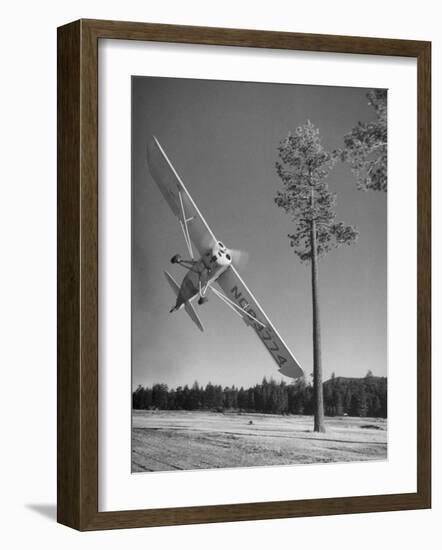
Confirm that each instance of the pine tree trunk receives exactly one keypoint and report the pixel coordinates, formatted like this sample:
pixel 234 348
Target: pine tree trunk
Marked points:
pixel 319 425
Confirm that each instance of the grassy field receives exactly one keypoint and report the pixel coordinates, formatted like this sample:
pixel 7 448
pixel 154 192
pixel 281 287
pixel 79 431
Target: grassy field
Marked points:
pixel 190 440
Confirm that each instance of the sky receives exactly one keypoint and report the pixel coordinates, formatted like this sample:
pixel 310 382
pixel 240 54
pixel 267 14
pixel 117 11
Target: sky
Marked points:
pixel 222 139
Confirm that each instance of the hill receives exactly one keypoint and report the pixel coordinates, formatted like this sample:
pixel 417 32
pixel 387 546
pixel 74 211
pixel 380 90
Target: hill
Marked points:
pixel 356 396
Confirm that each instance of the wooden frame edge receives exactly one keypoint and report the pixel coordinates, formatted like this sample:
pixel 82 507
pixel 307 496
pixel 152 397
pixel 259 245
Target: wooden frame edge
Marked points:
pixel 68 275
pixel 77 214
pixel 424 273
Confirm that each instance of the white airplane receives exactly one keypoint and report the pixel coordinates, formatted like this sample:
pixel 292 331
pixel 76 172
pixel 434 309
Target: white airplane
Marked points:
pixel 214 263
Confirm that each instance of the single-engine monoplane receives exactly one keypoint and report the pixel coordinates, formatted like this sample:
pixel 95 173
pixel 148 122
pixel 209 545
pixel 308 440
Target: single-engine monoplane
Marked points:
pixel 211 263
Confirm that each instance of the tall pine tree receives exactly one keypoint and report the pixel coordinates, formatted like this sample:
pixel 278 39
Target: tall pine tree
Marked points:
pixel 303 167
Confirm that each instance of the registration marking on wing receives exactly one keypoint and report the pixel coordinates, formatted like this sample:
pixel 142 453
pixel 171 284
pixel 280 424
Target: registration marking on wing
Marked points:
pixel 237 291
pixel 265 333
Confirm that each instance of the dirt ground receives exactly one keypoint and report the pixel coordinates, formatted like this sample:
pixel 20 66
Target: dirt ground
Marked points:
pixel 190 440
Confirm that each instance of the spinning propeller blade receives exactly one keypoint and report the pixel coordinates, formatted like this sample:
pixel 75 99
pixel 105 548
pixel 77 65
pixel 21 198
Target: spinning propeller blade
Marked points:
pixel 239 258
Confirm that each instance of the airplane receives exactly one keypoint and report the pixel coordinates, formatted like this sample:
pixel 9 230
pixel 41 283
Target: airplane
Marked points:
pixel 211 263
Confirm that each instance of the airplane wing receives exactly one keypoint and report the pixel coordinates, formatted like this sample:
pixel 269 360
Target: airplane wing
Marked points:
pixel 194 226
pixel 237 292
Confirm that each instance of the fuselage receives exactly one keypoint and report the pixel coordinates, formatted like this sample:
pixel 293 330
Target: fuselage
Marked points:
pixel 204 272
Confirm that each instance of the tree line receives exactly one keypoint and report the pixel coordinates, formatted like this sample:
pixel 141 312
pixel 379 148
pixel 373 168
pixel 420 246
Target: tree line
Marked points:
pixel 364 397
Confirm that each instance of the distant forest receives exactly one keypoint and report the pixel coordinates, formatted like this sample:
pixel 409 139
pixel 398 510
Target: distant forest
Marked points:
pixel 351 396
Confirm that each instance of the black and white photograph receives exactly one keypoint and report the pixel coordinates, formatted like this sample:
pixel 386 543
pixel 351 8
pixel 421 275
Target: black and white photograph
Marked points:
pixel 259 274
pixel 218 281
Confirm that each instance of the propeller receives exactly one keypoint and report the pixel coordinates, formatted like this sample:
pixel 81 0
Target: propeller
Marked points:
pixel 208 242
pixel 239 258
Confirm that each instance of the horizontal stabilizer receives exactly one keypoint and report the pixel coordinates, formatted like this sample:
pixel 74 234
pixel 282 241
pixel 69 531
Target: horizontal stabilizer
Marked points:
pixel 173 284
pixel 193 315
pixel 187 305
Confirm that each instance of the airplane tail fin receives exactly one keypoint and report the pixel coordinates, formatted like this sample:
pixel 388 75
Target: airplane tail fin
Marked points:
pixel 187 305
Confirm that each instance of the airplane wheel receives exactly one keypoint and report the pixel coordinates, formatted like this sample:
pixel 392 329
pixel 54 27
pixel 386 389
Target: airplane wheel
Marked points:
pixel 202 300
pixel 175 259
